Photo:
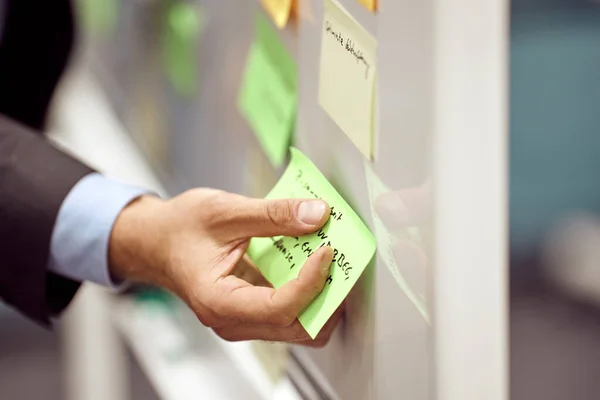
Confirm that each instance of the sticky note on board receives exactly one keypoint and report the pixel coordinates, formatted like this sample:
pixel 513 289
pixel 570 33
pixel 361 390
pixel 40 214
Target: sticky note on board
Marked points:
pixel 99 16
pixel 347 75
pixel 370 4
pixel 268 98
pixel 279 10
pixel 281 258
pixel 182 29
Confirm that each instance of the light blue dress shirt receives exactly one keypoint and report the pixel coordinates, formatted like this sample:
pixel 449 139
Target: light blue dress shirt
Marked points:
pixel 79 244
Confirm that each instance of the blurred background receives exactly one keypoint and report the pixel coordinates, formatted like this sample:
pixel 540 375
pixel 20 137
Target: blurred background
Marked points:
pixel 148 75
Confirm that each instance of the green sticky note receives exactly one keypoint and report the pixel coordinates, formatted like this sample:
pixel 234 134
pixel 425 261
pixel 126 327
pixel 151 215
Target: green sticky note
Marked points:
pixel 267 98
pixel 99 16
pixel 181 36
pixel 281 258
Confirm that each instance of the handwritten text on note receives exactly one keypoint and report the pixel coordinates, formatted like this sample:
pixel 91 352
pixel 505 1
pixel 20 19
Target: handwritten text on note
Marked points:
pixel 280 258
pixel 347 75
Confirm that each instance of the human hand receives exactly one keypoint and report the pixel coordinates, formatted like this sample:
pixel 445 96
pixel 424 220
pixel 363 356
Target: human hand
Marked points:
pixel 194 245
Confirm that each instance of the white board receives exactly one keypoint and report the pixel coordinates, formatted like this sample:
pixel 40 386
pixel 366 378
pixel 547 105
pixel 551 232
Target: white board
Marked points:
pixel 428 319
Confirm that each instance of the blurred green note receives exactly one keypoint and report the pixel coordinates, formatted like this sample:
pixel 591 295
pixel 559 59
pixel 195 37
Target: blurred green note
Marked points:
pixel 99 16
pixel 281 258
pixel 182 29
pixel 267 98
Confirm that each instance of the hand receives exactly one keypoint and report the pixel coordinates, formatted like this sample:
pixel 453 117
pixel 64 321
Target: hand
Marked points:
pixel 194 245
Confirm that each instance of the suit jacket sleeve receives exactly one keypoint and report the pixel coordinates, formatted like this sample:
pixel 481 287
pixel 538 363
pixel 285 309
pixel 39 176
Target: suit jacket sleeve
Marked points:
pixel 34 180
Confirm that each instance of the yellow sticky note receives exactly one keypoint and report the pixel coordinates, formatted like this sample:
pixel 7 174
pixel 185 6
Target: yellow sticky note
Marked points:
pixel 268 95
pixel 279 10
pixel 281 258
pixel 370 4
pixel 347 75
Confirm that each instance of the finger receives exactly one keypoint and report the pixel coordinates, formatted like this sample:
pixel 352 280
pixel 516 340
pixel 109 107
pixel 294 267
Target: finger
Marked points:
pixel 325 334
pixel 295 333
pixel 252 305
pixel 246 218
pixel 292 333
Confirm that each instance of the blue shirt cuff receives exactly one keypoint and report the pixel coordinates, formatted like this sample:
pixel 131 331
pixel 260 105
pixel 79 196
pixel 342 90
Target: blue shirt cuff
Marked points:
pixel 79 244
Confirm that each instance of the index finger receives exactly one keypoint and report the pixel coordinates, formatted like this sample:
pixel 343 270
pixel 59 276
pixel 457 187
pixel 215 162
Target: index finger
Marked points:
pixel 252 305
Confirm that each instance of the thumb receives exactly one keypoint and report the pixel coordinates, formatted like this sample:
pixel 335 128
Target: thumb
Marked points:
pixel 266 218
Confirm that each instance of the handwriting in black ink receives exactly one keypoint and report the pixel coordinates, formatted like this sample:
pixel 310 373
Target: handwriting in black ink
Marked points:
pixel 336 215
pixel 339 259
pixel 337 35
pixel 305 184
pixel 286 253
pixel 349 45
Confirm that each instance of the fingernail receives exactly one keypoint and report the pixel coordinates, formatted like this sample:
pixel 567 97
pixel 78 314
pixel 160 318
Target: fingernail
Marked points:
pixel 326 260
pixel 311 212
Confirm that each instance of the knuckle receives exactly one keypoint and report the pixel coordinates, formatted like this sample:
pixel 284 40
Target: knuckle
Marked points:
pixel 208 319
pixel 216 207
pixel 283 318
pixel 226 335
pixel 213 207
pixel 299 333
pixel 317 286
pixel 218 309
pixel 280 213
pixel 320 342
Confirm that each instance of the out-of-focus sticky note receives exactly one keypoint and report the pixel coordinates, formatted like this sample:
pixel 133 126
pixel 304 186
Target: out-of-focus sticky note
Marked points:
pixel 99 16
pixel 279 10
pixel 181 36
pixel 370 4
pixel 347 75
pixel 268 95
pixel 281 258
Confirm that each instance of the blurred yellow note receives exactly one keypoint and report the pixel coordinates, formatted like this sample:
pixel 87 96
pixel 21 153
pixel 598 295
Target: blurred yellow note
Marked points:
pixel 279 10
pixel 370 4
pixel 281 258
pixel 347 75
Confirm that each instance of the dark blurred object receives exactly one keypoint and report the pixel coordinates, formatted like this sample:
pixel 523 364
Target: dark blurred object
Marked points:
pixel 31 363
pixel 554 346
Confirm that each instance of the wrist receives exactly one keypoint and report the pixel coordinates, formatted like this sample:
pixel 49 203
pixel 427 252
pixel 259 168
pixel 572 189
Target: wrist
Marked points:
pixel 136 246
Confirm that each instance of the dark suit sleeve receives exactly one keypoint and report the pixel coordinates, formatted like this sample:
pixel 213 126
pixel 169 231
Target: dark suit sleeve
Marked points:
pixel 34 179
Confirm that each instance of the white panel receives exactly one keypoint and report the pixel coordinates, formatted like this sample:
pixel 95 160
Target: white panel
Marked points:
pixel 470 170
pixel 403 333
pixel 440 164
